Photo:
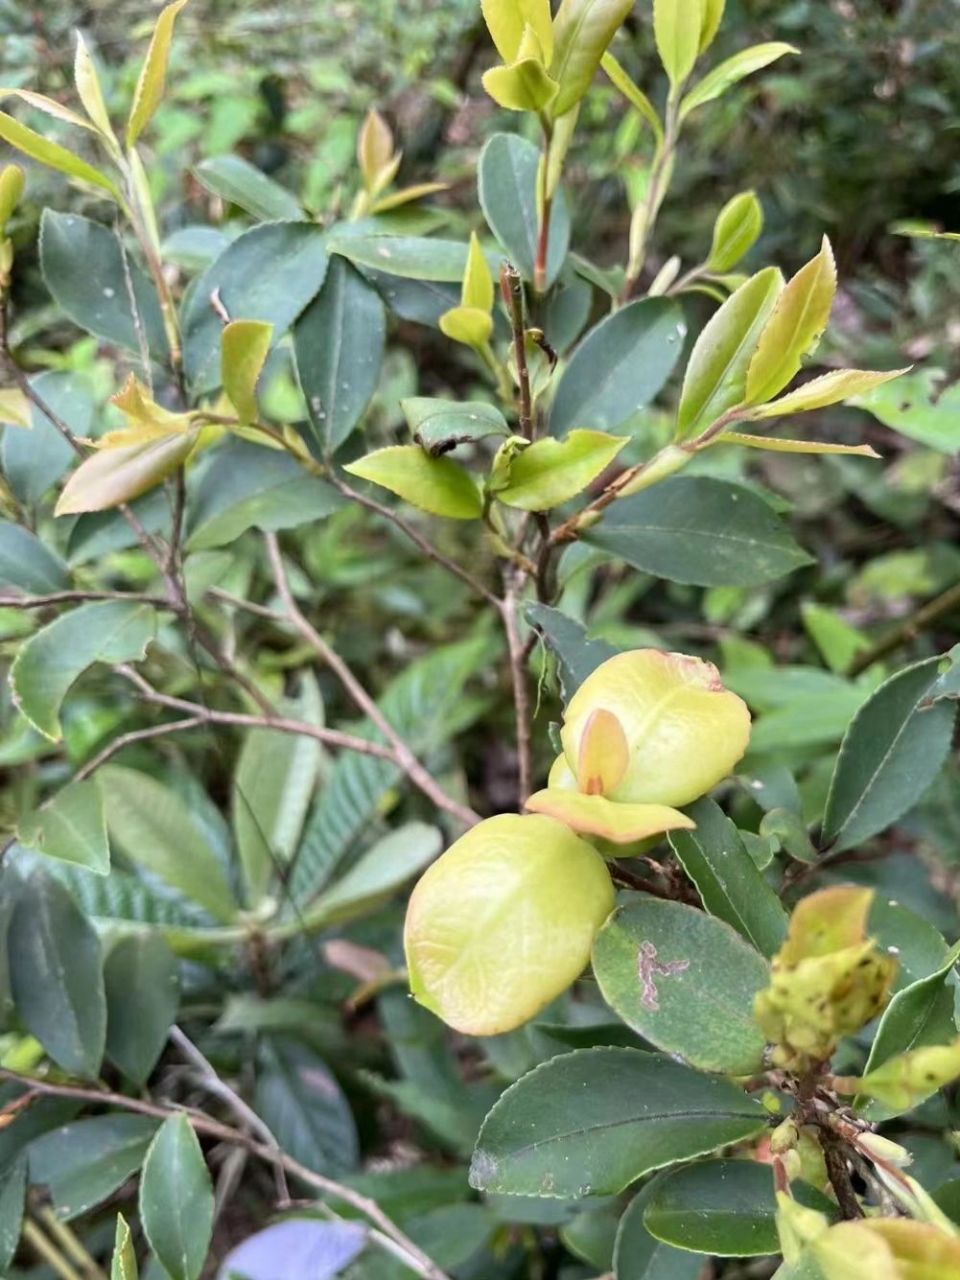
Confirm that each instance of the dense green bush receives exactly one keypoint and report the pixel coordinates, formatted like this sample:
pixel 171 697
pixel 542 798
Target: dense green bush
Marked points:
pixel 357 530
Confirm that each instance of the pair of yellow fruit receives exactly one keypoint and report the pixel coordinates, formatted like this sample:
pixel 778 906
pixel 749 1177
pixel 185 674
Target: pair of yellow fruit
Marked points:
pixel 505 920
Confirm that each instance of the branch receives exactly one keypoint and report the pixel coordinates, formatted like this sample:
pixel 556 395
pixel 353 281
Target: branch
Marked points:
pixel 521 693
pixel 72 597
pixel 908 630
pixel 405 1249
pixel 136 735
pixel 401 753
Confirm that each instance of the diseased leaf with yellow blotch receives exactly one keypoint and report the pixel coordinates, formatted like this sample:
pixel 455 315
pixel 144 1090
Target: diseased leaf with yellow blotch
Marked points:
pixel 244 345
pixel 153 74
pixel 603 756
pixel 794 328
pixel 436 485
pixel 909 1078
pixel 827 921
pixel 594 815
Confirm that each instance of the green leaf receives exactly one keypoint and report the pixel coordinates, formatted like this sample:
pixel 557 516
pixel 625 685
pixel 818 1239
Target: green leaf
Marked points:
pixel 633 94
pixel 123 1265
pixel 699 530
pixel 426 705
pixel 241 183
pixel 619 367
pixel 582 30
pixel 13 1194
pixel 273 785
pixel 34 460
pixel 142 983
pixel 339 343
pixel 684 981
pixel 731 72
pixel 735 231
pixel 112 476
pixel 638 1255
pixel 440 425
pixel 269 273
pixel 838 641
pixel 723 1207
pixel 25 562
pixel 50 661
pixel 83 1163
pixel 86 268
pixel 716 377
pixel 70 827
pixel 677 26
pixel 51 154
pixel 727 878
pixel 153 73
pixel 55 975
pixel 246 486
pixel 176 1200
pixel 794 328
pixel 577 655
pixel 523 86
pixel 551 471
pixel 892 751
pixel 506 20
pixel 831 388
pixel 593 1121
pixel 922 405
pixel 411 257
pixel 437 485
pixel 507 188
pixel 244 345
pixel 712 17
pixel 90 93
pixel 301 1103
pixel 155 831
pixel 378 873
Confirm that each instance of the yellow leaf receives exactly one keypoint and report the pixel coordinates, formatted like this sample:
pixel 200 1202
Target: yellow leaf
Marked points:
pixel 436 485
pixel 14 407
pixel 244 345
pixel 829 389
pixel 594 815
pixel 53 155
pixel 712 16
pixel 49 106
pixel 550 471
pixel 827 921
pixel 506 20
pixel 604 755
pixel 153 73
pixel 852 1251
pixel 374 147
pixel 677 27
pixel 116 475
pixel 777 444
pixel 468 325
pixel 923 1251
pixel 524 85
pixel 906 1080
pixel 134 402
pixel 90 94
pixel 477 288
pixel 406 195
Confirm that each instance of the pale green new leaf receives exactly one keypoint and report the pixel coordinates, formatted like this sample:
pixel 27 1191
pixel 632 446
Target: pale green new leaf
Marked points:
pixel 735 231
pixel 436 485
pixel 176 1200
pixel 110 477
pixel 712 17
pixel 70 827
pixel 524 85
pixel 677 27
pixel 89 91
pixel 582 31
pixel 381 870
pixel 633 93
pixel 54 156
pixel 831 388
pixel 506 20
pixel 550 471
pixel 244 345
pixel 780 444
pixel 730 72
pixel 153 73
pixel 123 1265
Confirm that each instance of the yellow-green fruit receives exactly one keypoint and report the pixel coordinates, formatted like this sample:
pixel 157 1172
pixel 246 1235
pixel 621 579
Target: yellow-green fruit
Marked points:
pixel 504 921
pixel 682 730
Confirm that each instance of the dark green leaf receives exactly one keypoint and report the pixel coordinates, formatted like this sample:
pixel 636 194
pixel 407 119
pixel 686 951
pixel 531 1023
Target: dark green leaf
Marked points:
pixel 26 563
pixel 577 655
pixel 591 1235
pixel 591 1122
pixel 702 531
pixel 892 751
pixel 619 366
pixel 55 975
pixel 638 1255
pixel 268 274
pixel 727 878
pixel 84 1162
pixel 239 182
pixel 176 1200
pixel 87 269
pixel 142 983
pixel 339 341
pixel 507 186
pixel 301 1103
pixel 412 257
pixel 685 981
pixel 440 425
pixel 13 1191
pixel 36 459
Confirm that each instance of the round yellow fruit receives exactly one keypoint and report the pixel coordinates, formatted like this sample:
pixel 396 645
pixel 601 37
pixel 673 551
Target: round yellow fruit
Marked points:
pixel 651 728
pixel 504 921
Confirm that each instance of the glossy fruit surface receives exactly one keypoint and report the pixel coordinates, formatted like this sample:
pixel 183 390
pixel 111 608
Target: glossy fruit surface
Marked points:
pixel 504 921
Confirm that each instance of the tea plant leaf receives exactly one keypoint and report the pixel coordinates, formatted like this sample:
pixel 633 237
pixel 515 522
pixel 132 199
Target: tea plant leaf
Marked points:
pixel 391 862
pixel 51 154
pixel 551 472
pixel 27 563
pixel 437 485
pixel 684 981
pixel 593 1121
pixel 13 1194
pixel 731 72
pixel 155 832
pixel 411 257
pixel 577 655
pixel 638 1255
pixel 922 405
pixel 70 827
pixel 892 751
pixel 90 93
pixel 244 345
pixel 507 189
pixel 55 975
pixel 699 530
pixel 582 30
pixel 142 984
pixel 831 388
pixel 619 366
pixel 86 268
pixel 50 661
pixel 727 878
pixel 506 20
pixel 176 1200
pixel 236 180
pixel 735 231
pixel 83 1163
pixel 302 1105
pixel 633 93
pixel 523 86
pixel 440 425
pixel 677 26
pixel 123 1265
pixel 112 476
pixel 153 73
pixel 339 343
pixel 779 444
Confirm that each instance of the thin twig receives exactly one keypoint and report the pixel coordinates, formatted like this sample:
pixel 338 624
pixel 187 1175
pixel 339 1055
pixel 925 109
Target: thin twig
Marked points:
pixel 521 692
pixel 411 1254
pixel 402 754
pixel 72 597
pixel 511 288
pixel 908 630
pixel 136 735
